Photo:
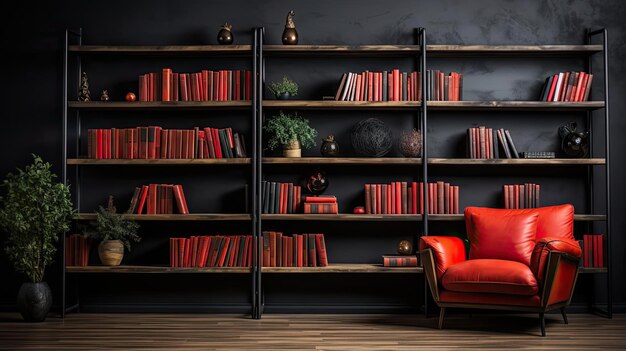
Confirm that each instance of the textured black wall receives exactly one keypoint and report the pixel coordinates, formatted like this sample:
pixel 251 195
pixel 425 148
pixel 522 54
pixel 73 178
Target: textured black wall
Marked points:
pixel 31 93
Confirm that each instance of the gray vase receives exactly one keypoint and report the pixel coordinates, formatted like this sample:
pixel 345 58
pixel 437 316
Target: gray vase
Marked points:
pixel 34 301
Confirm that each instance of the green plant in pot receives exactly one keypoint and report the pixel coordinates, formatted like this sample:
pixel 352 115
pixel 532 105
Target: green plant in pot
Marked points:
pixel 284 89
pixel 115 231
pixel 291 132
pixel 34 210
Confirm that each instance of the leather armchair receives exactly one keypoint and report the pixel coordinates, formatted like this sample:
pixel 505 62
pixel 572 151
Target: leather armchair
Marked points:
pixel 519 260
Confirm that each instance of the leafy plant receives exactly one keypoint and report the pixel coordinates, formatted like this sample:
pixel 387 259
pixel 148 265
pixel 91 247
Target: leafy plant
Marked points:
pixel 110 225
pixel 33 212
pixel 285 86
pixel 284 128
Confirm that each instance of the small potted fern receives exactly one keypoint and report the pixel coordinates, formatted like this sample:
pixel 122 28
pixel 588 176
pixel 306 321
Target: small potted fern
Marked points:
pixel 290 131
pixel 116 232
pixel 284 89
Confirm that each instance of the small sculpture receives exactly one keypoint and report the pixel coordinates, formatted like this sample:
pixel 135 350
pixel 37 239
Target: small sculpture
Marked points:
pixel 410 143
pixel 104 96
pixel 110 205
pixel 359 210
pixel 405 247
pixel 329 146
pixel 573 142
pixel 225 35
pixel 130 96
pixel 83 93
pixel 317 182
pixel 290 35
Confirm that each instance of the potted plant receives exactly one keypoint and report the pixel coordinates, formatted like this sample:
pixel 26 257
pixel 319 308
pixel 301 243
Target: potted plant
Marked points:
pixel 115 231
pixel 285 89
pixel 291 132
pixel 33 211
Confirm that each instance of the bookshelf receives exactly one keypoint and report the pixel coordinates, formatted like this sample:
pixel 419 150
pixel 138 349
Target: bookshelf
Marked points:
pixel 261 165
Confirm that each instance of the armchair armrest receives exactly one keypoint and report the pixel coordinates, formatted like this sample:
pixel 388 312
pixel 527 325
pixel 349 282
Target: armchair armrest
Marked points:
pixel 555 264
pixel 437 254
pixel 543 247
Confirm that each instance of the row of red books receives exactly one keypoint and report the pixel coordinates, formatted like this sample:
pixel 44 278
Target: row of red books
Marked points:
pixel 298 250
pixel 222 85
pixel 567 86
pixel 281 198
pixel 408 198
pixel 593 250
pixel 399 261
pixel 77 248
pixel 158 199
pixel 154 142
pixel 521 196
pixel 211 251
pixel 380 86
pixel 326 204
pixel 442 87
pixel 486 143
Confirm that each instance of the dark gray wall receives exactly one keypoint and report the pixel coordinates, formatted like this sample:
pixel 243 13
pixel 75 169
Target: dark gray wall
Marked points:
pixel 31 93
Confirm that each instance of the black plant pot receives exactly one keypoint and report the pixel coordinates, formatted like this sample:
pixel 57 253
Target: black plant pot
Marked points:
pixel 283 96
pixel 34 301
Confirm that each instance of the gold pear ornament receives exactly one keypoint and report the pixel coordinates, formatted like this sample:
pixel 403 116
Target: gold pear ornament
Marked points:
pixel 290 35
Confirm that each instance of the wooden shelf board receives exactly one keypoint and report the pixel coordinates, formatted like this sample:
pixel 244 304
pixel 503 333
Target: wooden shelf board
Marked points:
pixel 592 270
pixel 341 217
pixel 235 50
pixel 340 105
pixel 343 160
pixel 354 50
pixel 165 162
pixel 175 217
pixel 344 268
pixel 517 161
pixel 514 105
pixel 154 269
pixel 512 50
pixel 159 105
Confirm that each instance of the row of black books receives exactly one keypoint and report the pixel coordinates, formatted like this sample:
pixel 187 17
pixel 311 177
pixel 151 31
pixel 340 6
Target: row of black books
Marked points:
pixel 521 195
pixel 154 142
pixel 486 143
pixel 281 198
pixel 298 250
pixel 221 85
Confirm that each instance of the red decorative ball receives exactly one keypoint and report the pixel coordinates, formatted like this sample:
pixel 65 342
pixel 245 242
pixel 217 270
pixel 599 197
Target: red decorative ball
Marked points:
pixel 359 210
pixel 130 97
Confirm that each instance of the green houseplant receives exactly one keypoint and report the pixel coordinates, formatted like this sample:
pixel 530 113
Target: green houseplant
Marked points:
pixel 33 211
pixel 115 233
pixel 291 132
pixel 284 89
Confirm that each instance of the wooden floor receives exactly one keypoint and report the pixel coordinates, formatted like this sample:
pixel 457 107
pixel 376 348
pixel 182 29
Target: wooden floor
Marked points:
pixel 309 332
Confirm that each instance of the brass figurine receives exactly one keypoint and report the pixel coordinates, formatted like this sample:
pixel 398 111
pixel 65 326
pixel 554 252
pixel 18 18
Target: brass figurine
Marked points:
pixel 290 35
pixel 83 93
pixel 104 96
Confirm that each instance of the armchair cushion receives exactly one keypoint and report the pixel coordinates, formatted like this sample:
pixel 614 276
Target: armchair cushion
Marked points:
pixel 447 251
pixel 504 235
pixel 543 248
pixel 555 222
pixel 490 276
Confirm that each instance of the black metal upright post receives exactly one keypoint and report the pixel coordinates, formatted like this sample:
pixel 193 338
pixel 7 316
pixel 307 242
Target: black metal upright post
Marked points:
pixel 424 127
pixel 64 160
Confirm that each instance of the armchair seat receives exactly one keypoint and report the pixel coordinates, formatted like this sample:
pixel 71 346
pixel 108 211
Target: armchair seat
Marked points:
pixel 490 276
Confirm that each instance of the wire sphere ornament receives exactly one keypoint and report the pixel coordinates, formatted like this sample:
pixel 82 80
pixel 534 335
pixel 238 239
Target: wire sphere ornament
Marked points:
pixel 371 137
pixel 410 143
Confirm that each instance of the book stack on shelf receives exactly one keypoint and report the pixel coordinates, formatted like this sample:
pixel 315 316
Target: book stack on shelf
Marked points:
pixel 321 204
pixel 400 261
pixel 567 86
pixel 486 143
pixel 408 198
pixel 281 198
pixel 211 251
pixel 77 248
pixel 521 196
pixel 442 87
pixel 154 142
pixel 593 250
pixel 298 250
pixel 158 199
pixel 380 86
pixel 222 85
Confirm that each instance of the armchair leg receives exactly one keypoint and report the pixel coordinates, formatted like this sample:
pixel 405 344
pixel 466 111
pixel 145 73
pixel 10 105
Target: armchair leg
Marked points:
pixel 564 315
pixel 442 313
pixel 542 320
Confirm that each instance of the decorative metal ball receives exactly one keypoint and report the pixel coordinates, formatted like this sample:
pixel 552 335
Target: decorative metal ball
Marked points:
pixel 410 143
pixel 316 182
pixel 371 137
pixel 405 247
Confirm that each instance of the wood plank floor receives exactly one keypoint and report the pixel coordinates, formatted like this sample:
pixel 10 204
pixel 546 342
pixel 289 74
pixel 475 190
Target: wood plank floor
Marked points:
pixel 309 332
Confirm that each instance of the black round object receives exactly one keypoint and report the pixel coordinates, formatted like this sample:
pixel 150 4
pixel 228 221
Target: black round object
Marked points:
pixel 317 182
pixel 34 301
pixel 225 35
pixel 371 137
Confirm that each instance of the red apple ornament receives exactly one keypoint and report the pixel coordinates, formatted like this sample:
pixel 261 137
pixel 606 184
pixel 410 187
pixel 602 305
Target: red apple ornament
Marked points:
pixel 359 210
pixel 130 97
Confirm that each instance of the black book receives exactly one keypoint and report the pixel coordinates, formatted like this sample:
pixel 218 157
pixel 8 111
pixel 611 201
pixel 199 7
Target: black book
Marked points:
pixel 272 197
pixel 503 143
pixel 276 197
pixel 511 144
pixel 404 87
pixel 494 145
pixel 241 252
pixel 290 198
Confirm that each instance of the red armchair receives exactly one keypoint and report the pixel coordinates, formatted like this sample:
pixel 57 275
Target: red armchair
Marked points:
pixel 520 260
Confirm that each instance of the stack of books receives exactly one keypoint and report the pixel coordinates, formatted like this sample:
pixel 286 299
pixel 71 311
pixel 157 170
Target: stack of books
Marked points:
pixel 321 204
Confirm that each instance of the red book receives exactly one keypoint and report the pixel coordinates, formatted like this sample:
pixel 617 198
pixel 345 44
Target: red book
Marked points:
pixel 456 200
pixel 440 197
pixel 223 251
pixel 320 246
pixel 387 194
pixel 174 243
pixel 180 259
pixel 166 83
pixel 321 199
pixel 300 250
pixel 581 89
pixel 368 200
pixel 205 84
pixel 216 142
pixel 378 199
pixel 248 87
